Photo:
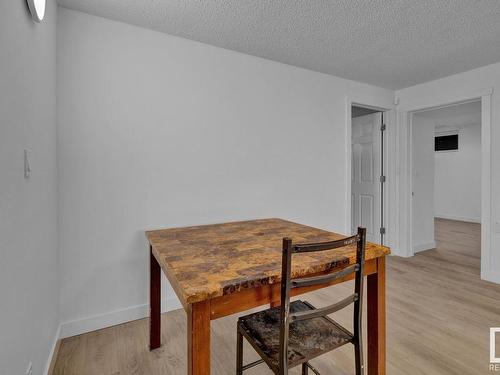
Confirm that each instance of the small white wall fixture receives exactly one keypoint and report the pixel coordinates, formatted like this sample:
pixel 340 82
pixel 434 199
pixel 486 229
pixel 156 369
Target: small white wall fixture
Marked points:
pixel 404 160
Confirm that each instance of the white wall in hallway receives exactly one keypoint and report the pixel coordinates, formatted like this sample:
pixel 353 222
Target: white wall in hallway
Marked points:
pixel 423 183
pixel 458 176
pixel 29 264
pixel 157 131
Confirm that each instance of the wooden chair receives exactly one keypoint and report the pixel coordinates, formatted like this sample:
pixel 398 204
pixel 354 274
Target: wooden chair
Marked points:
pixel 294 333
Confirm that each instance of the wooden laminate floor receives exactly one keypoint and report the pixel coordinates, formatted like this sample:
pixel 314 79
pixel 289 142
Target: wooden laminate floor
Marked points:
pixel 438 318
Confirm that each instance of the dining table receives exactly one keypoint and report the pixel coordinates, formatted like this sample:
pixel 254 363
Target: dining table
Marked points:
pixel 222 269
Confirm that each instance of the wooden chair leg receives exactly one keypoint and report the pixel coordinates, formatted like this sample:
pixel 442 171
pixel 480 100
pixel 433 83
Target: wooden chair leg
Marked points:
pixel 305 369
pixel 239 353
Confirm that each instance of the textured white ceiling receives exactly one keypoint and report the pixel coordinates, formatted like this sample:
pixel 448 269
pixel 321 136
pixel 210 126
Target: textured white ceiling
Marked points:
pixel 392 44
pixel 455 116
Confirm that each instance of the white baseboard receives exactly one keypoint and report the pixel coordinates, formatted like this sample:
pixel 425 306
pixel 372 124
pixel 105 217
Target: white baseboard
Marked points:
pixel 424 246
pixel 52 350
pixel 92 323
pixel 459 218
pixel 491 276
pixel 398 253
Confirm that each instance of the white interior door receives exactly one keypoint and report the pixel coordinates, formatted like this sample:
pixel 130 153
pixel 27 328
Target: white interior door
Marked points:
pixel 366 158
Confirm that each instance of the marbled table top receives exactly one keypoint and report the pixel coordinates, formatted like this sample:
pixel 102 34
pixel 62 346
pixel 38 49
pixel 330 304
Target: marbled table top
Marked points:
pixel 208 261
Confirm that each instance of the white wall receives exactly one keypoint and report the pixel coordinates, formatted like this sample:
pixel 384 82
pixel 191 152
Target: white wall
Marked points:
pixel 157 131
pixel 29 306
pixel 445 184
pixel 457 175
pixel 462 85
pixel 423 183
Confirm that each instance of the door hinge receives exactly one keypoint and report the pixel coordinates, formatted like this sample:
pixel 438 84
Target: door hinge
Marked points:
pixel 382 127
pixel 382 230
pixel 382 179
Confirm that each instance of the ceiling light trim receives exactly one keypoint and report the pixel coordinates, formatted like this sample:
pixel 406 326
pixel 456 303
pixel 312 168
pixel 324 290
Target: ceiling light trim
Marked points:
pixel 37 9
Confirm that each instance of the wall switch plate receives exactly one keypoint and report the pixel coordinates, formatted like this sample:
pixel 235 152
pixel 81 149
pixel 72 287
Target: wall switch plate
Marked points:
pixel 27 166
pixel 29 370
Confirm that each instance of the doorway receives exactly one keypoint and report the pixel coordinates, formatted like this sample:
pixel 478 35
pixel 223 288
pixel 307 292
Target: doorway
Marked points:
pixel 446 171
pixel 367 174
pixel 404 206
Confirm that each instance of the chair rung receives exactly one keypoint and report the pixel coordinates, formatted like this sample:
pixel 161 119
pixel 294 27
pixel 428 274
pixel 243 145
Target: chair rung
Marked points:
pixel 309 281
pixel 253 364
pixel 303 315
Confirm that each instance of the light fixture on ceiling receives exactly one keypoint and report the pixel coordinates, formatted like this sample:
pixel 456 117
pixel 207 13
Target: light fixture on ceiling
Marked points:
pixel 37 9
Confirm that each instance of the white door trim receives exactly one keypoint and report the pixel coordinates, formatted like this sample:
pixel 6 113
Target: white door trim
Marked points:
pixel 486 219
pixel 404 155
pixel 389 191
pixel 440 100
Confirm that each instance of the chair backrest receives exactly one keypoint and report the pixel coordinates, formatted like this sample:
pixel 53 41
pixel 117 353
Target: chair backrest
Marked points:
pixel 287 283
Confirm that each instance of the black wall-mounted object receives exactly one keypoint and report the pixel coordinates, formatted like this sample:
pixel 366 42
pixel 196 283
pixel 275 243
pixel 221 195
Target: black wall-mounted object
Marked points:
pixel 446 142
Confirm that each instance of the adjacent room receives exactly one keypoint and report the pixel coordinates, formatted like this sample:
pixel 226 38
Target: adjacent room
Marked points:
pixel 446 174
pixel 268 187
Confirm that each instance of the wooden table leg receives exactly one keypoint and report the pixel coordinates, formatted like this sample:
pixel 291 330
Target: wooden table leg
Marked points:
pixel 376 320
pixel 154 302
pixel 198 339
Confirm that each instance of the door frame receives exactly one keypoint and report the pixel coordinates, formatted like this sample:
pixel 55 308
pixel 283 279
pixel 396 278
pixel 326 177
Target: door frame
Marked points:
pixel 389 116
pixel 405 204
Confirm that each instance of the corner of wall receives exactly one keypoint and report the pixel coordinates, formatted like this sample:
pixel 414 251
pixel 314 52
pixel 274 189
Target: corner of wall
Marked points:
pixel 51 360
